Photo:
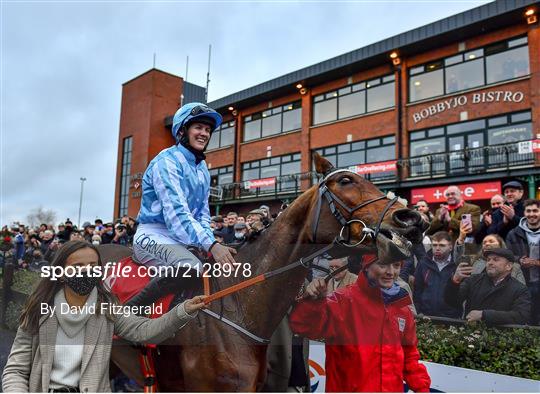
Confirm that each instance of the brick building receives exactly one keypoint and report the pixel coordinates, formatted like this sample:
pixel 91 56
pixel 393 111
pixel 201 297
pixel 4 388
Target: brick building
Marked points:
pixel 453 102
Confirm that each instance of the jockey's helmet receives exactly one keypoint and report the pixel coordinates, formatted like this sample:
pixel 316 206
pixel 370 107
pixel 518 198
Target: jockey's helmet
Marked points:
pixel 194 112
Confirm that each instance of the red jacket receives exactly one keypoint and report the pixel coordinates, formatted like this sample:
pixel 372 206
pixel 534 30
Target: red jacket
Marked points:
pixel 370 346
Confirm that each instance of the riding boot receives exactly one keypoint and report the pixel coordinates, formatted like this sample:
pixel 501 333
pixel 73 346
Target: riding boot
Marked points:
pixel 157 288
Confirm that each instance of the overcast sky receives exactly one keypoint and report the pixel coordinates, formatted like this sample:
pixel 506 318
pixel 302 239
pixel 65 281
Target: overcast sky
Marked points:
pixel 63 65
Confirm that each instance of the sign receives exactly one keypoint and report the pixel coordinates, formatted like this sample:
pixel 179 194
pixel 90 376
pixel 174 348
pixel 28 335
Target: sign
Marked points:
pixel 536 146
pixel 255 183
pixel 444 378
pixel 470 191
pixel 383 166
pixel 506 96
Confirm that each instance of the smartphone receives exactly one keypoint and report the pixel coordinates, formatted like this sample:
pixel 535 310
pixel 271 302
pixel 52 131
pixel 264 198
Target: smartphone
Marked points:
pixel 466 219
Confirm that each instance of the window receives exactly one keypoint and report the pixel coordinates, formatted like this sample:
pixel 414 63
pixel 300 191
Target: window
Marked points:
pixel 361 152
pixel 488 143
pixel 124 179
pixel 467 70
pixel 273 121
pixel 273 167
pixel 352 100
pixel 222 136
pixel 221 176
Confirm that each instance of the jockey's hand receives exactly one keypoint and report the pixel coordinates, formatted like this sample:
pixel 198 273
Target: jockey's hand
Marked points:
pixel 317 288
pixel 194 304
pixel 223 254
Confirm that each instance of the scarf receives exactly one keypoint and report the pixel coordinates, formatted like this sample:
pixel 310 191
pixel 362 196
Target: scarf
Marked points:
pixel 74 322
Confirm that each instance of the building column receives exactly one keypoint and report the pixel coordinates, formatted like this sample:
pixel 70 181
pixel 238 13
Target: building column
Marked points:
pixel 305 148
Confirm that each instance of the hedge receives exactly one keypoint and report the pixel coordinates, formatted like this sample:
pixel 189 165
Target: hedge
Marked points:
pixel 507 351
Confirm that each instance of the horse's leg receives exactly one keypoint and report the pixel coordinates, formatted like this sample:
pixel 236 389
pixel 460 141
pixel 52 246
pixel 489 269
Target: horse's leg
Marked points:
pixel 126 357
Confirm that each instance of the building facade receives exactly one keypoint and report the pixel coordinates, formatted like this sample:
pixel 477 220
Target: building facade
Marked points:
pixel 453 102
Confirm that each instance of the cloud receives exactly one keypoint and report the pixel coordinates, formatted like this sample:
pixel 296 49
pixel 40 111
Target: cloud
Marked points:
pixel 64 65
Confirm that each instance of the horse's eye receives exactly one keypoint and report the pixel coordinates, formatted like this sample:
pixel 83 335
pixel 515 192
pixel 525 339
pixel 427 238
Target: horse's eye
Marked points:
pixel 345 180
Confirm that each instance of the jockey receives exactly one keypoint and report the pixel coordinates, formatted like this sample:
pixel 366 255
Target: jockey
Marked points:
pixel 174 212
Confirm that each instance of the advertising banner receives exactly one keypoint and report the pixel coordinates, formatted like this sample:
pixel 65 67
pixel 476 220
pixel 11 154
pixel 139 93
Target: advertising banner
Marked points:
pixel 383 166
pixel 255 183
pixel 470 191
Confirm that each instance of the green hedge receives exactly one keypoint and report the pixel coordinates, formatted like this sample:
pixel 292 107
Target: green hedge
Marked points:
pixel 507 351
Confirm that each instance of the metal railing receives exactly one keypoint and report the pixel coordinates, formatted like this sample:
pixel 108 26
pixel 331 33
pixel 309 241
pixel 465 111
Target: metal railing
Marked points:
pixel 469 161
pixel 446 164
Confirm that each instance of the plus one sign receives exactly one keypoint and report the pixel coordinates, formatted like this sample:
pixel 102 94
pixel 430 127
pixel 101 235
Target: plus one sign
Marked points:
pixel 437 194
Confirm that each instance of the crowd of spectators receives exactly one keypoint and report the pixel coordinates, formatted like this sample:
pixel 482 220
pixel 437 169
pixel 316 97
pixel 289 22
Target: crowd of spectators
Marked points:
pixel 35 246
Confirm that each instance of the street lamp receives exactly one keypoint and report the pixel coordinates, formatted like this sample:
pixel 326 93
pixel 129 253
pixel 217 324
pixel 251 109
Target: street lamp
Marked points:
pixel 80 202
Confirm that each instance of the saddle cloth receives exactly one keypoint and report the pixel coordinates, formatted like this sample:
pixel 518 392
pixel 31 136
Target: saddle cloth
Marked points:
pixel 126 286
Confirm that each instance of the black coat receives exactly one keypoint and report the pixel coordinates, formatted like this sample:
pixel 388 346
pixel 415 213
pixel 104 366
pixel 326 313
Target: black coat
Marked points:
pixel 507 303
pixel 517 242
pixel 429 285
pixel 497 221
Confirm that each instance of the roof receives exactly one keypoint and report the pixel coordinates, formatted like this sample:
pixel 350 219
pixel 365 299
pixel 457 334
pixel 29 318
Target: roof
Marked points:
pixel 480 20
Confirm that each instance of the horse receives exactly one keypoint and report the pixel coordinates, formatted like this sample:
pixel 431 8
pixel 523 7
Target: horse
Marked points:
pixel 208 355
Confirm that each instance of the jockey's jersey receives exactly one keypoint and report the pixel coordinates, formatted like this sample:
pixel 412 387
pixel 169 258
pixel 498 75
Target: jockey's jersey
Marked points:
pixel 175 193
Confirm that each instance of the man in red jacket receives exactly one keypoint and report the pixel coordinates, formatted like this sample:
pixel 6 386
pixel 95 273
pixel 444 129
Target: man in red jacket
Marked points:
pixel 369 331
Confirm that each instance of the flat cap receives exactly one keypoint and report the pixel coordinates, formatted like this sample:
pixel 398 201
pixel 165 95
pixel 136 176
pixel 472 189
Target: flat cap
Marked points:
pixel 513 185
pixel 507 254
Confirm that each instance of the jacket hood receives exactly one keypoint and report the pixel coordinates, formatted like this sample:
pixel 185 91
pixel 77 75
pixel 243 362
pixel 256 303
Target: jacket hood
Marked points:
pixel 524 227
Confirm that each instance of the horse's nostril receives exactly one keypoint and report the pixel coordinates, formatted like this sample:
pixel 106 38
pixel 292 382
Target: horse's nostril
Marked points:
pixel 407 217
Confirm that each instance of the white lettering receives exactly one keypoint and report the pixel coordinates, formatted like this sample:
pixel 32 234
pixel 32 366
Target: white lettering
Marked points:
pixel 469 191
pixel 417 118
pixel 476 98
pixel 507 96
pixel 518 97
pixel 462 100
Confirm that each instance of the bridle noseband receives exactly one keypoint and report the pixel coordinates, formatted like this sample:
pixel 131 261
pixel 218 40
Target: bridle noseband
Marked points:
pixel 332 200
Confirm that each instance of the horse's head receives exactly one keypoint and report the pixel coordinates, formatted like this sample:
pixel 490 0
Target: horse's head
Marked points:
pixel 348 203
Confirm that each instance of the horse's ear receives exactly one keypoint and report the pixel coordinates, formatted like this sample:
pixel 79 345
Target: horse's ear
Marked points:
pixel 322 165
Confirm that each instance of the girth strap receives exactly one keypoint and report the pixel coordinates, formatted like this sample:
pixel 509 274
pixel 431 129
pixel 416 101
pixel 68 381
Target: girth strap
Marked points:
pixel 236 327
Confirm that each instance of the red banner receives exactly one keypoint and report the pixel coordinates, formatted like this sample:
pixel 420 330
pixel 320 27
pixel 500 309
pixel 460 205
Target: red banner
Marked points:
pixel 469 191
pixel 383 166
pixel 536 146
pixel 255 183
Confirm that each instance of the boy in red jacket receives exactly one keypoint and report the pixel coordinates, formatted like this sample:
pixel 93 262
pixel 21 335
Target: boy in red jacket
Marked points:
pixel 369 331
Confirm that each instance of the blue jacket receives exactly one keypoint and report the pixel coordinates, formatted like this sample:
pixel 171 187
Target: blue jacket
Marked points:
pixel 429 288
pixel 19 246
pixel 175 193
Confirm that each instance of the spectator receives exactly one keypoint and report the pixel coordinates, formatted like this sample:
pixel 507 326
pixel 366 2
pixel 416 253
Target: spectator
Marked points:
pixel 218 220
pixel 524 242
pixel 351 321
pixel 48 237
pixel 492 296
pixel 432 275
pixel 448 216
pixel 99 225
pixel 76 236
pixel 107 234
pixel 240 232
pixel 96 239
pixel 477 261
pixel 487 217
pixel 343 279
pixel 219 235
pixel 241 219
pixel 120 235
pixel 267 218
pixel 61 232
pixel 510 213
pixel 229 230
pixel 88 229
pixel 255 220
pixel 423 207
pixel 19 244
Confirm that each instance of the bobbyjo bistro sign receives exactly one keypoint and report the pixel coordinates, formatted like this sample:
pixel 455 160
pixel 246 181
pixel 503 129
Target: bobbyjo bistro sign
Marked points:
pixel 474 98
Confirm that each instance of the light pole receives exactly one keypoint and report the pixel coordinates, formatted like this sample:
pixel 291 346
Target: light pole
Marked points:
pixel 80 202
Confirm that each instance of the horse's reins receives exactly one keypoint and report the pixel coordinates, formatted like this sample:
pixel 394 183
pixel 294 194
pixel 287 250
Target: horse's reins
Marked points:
pixel 306 262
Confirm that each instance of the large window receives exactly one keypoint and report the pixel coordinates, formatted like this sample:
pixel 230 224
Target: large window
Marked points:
pixel 271 167
pixel 362 152
pixel 124 180
pixel 273 121
pixel 469 146
pixel 352 100
pixel 494 63
pixel 222 136
pixel 221 176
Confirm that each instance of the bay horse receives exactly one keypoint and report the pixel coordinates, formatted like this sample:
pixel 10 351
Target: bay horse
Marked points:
pixel 207 355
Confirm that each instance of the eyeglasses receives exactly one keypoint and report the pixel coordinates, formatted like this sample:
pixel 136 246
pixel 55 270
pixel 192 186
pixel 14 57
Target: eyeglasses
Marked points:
pixel 201 109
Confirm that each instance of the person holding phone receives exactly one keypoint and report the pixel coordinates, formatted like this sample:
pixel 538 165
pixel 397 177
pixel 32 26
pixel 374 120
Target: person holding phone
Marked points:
pixel 448 217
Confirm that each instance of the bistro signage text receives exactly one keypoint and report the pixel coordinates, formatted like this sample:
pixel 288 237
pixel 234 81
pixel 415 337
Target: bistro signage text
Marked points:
pixel 474 98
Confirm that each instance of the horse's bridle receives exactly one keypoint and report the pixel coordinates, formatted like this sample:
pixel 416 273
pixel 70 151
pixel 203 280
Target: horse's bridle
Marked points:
pixel 332 200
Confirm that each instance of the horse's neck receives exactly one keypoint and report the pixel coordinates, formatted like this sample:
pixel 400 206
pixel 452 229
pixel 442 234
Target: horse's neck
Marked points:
pixel 262 306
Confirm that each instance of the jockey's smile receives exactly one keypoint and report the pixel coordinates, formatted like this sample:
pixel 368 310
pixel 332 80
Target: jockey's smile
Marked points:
pixel 199 135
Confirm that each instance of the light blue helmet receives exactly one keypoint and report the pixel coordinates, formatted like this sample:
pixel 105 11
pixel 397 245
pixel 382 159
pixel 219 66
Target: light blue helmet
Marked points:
pixel 188 113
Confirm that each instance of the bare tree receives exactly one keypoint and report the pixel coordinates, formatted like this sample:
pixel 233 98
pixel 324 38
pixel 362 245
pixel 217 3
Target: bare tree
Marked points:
pixel 39 215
